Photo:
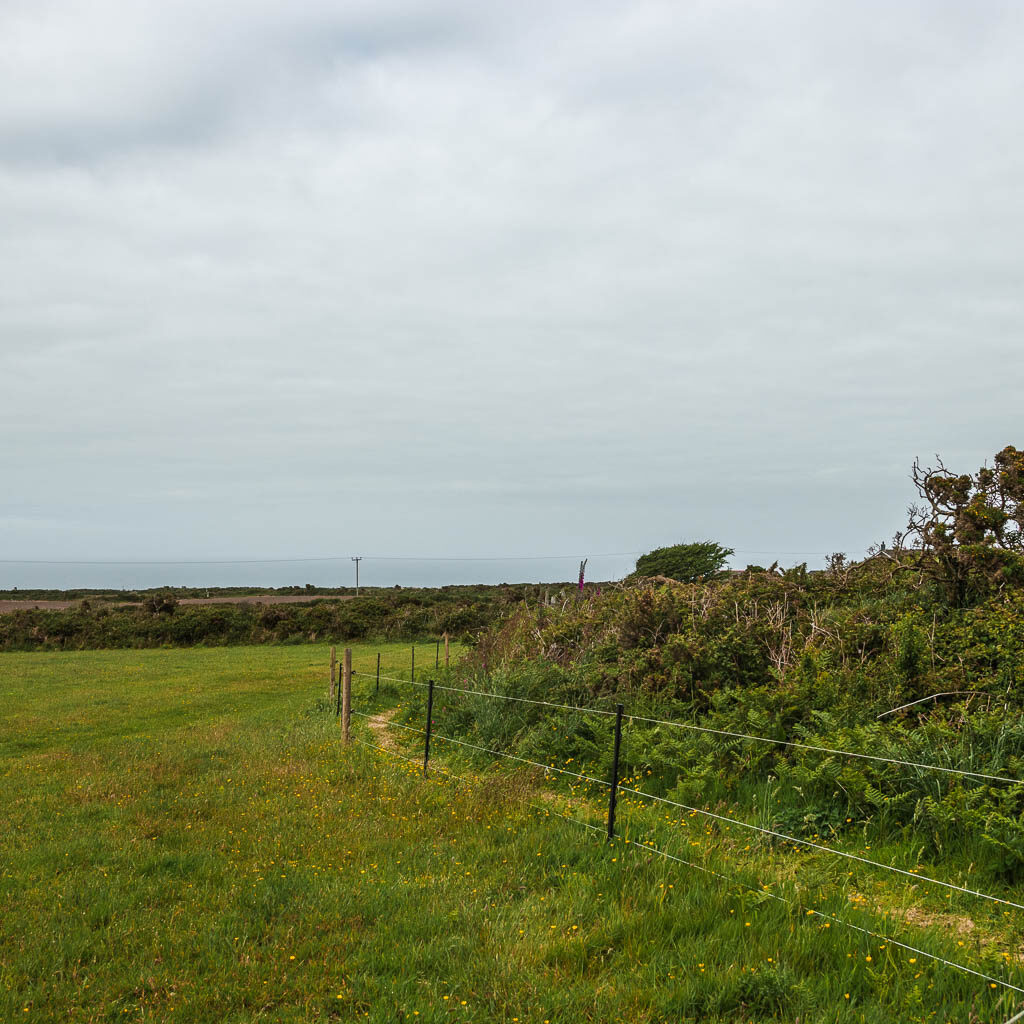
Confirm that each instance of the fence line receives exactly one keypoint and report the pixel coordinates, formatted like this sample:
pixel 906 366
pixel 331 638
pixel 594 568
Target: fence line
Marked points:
pixel 500 696
pixel 411 760
pixel 719 732
pixel 819 913
pixel 488 750
pixel 536 764
pixel 829 750
pixel 819 846
pixel 719 817
pixel 614 785
pixel 470 782
pixel 760 891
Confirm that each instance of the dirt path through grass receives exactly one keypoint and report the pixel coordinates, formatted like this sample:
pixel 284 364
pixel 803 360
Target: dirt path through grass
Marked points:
pixel 379 724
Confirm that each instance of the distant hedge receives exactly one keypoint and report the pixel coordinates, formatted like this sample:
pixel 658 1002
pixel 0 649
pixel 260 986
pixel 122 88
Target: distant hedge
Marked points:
pixel 387 615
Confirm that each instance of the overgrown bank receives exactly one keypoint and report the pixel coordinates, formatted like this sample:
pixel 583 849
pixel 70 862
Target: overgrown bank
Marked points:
pixel 812 659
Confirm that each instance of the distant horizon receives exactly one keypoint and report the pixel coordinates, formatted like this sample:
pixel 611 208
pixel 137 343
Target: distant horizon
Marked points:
pixel 437 571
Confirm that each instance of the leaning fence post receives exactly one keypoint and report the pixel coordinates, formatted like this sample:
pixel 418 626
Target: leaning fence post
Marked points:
pixel 614 782
pixel 430 715
pixel 378 672
pixel 346 697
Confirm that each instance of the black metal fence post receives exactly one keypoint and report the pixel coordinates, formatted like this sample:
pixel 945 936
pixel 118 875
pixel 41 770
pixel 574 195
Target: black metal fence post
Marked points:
pixel 614 782
pixel 378 672
pixel 337 707
pixel 437 655
pixel 430 715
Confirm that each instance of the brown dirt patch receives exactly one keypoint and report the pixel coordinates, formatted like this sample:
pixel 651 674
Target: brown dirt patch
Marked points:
pixel 379 725
pixel 923 919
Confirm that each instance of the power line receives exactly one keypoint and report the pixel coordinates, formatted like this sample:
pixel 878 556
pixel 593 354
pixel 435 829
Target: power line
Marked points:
pixel 498 558
pixel 181 561
pixel 373 558
pixel 317 558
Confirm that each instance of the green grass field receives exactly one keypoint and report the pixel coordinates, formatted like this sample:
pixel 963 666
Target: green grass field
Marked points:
pixel 185 838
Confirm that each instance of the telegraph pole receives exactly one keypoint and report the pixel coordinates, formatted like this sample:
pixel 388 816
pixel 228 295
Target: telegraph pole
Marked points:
pixel 357 559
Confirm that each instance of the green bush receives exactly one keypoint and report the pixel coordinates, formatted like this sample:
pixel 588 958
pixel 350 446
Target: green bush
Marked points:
pixel 688 563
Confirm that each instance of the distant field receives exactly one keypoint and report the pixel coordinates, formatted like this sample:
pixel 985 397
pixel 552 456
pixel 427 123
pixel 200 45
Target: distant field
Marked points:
pixel 186 839
pixel 9 605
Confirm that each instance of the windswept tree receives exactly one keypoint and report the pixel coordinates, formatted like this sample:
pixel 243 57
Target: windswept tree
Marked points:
pixel 966 533
pixel 688 563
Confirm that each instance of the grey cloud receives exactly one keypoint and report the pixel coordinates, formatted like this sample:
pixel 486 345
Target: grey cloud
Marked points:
pixel 468 279
pixel 91 84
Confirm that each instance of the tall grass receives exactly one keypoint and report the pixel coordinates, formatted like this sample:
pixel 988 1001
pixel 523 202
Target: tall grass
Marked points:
pixel 186 839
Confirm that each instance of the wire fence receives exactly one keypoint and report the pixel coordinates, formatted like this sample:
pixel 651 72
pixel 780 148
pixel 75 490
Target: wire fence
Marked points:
pixel 615 785
pixel 748 737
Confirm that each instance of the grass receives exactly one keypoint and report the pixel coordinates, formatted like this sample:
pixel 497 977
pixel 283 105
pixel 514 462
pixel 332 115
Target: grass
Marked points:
pixel 186 839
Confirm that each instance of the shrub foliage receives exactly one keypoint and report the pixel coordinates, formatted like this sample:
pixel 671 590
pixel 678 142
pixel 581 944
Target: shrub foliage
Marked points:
pixel 161 620
pixel 688 563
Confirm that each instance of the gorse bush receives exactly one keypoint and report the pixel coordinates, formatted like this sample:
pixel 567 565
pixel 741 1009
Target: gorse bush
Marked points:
pixel 965 536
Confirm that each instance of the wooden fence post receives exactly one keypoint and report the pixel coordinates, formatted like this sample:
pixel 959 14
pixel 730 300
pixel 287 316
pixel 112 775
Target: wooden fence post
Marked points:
pixel 346 696
pixel 446 650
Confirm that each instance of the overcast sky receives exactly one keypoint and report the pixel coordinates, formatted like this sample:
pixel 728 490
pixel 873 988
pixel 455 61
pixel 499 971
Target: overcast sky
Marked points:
pixel 476 279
